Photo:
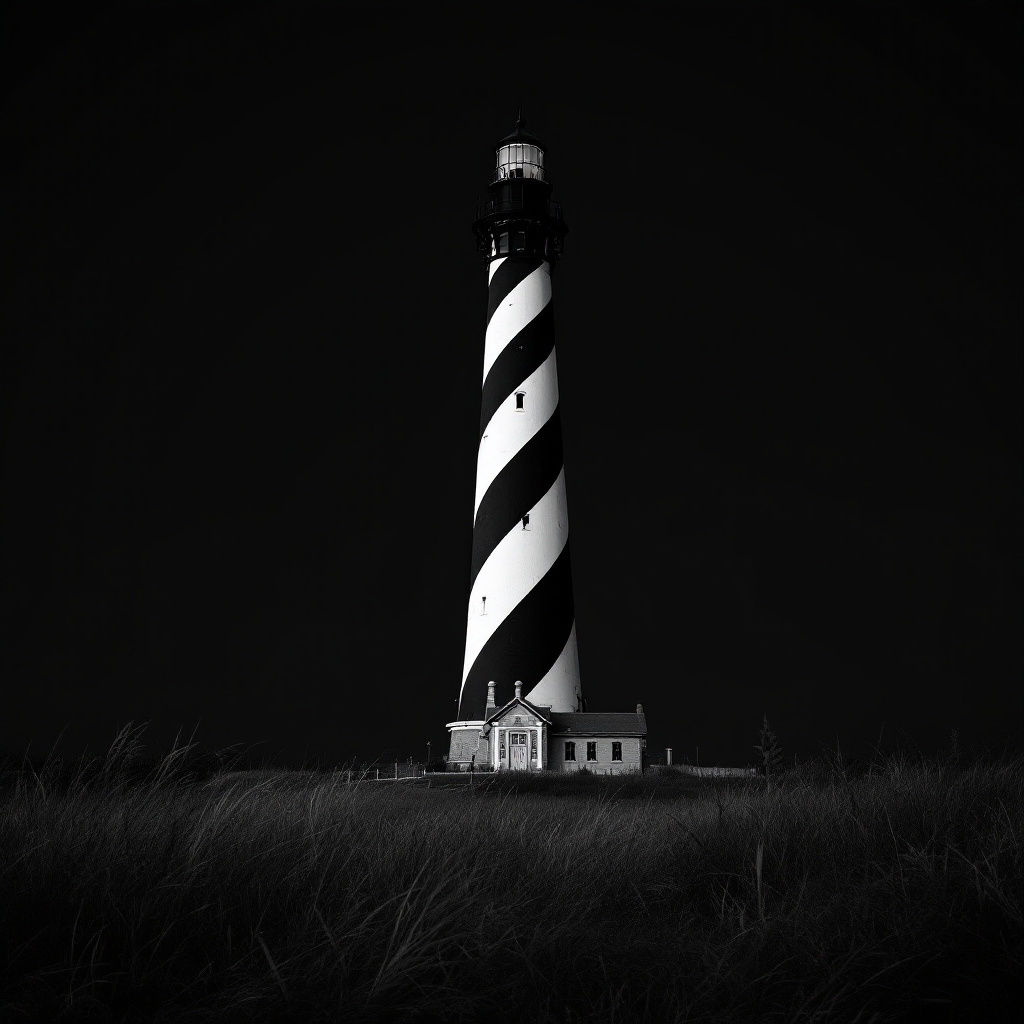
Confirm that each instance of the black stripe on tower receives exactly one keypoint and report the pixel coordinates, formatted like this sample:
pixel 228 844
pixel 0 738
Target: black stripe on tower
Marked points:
pixel 516 361
pixel 522 482
pixel 512 271
pixel 525 645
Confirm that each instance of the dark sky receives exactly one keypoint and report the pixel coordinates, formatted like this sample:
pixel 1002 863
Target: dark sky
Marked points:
pixel 243 334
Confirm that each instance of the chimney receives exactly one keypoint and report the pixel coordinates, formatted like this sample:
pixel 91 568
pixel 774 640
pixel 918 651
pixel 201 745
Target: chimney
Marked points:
pixel 668 755
pixel 639 709
pixel 490 695
pixel 519 689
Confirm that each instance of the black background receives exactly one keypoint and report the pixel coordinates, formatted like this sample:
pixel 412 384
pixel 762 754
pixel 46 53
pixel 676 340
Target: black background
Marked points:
pixel 243 334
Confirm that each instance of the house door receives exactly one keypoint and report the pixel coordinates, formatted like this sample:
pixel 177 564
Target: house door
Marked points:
pixel 518 751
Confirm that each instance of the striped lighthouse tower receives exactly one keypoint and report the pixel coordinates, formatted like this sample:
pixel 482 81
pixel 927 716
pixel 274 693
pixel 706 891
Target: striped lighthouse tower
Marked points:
pixel 520 629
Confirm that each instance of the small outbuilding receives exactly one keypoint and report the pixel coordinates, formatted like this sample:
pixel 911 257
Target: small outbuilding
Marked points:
pixel 525 736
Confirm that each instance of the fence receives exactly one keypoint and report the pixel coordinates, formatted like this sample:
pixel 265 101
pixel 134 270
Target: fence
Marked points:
pixel 397 770
pixel 384 772
pixel 704 771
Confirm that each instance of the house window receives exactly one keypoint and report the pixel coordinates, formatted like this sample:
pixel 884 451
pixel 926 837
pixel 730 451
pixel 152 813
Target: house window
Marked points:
pixel 616 750
pixel 570 750
pixel 520 400
pixel 526 521
pixel 519 720
pixel 533 746
pixel 592 750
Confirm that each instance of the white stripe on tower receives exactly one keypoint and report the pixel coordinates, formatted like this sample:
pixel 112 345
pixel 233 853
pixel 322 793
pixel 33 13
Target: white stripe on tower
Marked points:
pixel 504 590
pixel 505 435
pixel 516 310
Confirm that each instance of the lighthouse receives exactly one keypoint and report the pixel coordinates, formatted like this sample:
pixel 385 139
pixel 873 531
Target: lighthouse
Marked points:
pixel 520 623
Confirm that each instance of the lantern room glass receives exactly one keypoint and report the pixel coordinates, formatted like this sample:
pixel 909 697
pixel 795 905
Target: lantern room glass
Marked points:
pixel 520 160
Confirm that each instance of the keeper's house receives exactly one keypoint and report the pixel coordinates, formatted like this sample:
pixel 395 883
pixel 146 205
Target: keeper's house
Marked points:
pixel 526 736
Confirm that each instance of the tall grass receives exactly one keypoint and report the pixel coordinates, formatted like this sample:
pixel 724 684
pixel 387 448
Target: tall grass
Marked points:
pixel 294 896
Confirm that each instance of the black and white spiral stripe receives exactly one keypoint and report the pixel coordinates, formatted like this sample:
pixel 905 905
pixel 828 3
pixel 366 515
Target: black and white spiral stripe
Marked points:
pixel 521 618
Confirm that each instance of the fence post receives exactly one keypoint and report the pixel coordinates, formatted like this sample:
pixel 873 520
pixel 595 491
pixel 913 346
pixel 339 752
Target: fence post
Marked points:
pixel 396 769
pixel 376 774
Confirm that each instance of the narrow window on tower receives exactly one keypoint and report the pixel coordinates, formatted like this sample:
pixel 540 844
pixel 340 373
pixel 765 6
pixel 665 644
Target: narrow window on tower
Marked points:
pixel 570 750
pixel 616 750
pixel 526 521
pixel 483 605
pixel 592 750
pixel 520 400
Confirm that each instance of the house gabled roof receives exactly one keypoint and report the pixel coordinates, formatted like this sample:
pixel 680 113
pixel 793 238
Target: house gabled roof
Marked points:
pixel 539 711
pixel 598 723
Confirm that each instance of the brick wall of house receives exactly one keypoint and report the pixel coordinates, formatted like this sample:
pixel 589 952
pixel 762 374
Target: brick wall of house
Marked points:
pixel 631 754
pixel 467 742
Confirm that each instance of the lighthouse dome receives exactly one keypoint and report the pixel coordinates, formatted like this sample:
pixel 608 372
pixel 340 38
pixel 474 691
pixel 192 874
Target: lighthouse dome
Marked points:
pixel 519 155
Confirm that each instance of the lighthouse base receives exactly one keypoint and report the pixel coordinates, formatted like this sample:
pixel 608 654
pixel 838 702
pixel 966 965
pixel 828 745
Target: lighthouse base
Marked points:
pixel 468 747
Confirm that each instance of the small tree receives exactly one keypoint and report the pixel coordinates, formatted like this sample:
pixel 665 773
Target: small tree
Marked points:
pixel 770 749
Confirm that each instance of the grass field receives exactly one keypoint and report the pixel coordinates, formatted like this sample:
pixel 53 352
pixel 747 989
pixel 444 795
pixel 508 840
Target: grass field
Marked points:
pixel 893 894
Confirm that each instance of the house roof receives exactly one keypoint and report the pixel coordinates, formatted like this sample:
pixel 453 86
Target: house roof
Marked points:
pixel 599 723
pixel 537 710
